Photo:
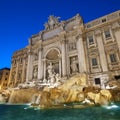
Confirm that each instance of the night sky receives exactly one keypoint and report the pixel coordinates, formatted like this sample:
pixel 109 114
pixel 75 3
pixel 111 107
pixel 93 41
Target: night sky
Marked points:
pixel 20 19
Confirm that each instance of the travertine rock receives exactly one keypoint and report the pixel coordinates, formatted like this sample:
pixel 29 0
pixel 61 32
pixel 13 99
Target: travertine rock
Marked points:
pixel 22 95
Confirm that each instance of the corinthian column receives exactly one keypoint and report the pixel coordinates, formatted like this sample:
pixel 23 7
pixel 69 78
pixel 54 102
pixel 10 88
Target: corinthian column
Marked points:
pixel 16 72
pixel 23 71
pixel 10 76
pixel 29 67
pixel 81 54
pixel 60 71
pixel 116 29
pixel 44 69
pixel 101 50
pixel 63 58
pixel 40 65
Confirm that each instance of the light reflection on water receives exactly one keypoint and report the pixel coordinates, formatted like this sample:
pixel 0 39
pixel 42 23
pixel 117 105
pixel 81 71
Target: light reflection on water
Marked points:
pixel 25 112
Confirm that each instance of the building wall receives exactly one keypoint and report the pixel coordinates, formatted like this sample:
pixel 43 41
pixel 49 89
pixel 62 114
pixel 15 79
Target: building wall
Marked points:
pixel 18 67
pixel 4 78
pixel 92 48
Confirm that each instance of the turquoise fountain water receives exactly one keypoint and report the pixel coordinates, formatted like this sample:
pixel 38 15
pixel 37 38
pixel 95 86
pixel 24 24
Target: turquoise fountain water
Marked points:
pixel 24 112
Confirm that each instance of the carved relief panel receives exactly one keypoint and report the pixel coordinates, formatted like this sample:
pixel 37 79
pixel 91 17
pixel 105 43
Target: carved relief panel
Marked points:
pixel 72 46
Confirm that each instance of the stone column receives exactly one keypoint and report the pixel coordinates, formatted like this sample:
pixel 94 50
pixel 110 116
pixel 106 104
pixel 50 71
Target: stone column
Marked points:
pixel 81 54
pixel 10 76
pixel 23 71
pixel 44 69
pixel 40 65
pixel 60 71
pixel 116 29
pixel 29 67
pixel 63 58
pixel 101 50
pixel 16 71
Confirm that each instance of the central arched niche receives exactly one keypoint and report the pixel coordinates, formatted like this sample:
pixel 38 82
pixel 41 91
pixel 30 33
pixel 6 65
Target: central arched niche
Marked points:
pixel 53 57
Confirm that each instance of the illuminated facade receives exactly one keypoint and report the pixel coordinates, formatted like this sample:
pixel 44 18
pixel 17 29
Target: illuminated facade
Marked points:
pixel 4 77
pixel 72 47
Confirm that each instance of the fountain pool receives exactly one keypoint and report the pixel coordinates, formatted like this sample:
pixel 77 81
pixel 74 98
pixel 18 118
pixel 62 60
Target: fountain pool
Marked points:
pixel 24 112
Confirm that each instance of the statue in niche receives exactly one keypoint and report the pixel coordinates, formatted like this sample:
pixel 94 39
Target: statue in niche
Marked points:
pixel 53 77
pixel 51 73
pixel 74 66
pixel 52 22
pixel 19 75
pixel 50 69
pixel 35 72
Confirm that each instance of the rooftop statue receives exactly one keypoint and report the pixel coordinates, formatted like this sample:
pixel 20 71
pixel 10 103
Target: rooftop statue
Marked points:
pixel 52 22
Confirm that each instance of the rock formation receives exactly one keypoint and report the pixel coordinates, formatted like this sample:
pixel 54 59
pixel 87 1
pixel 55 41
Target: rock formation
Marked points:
pixel 72 90
pixel 23 95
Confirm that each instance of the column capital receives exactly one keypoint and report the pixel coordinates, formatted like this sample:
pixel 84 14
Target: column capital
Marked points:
pixel 63 41
pixel 98 32
pixel 78 36
pixel 40 48
pixel 30 52
pixel 60 56
pixel 25 56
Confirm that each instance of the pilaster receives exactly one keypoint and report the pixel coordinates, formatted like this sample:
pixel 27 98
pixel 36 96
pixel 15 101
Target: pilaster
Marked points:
pixel 44 61
pixel 60 66
pixel 23 71
pixel 101 50
pixel 16 72
pixel 10 76
pixel 81 54
pixel 29 66
pixel 40 65
pixel 63 49
pixel 116 29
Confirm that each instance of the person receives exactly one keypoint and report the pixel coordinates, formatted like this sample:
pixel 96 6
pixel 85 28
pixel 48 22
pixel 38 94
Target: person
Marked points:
pixel 74 67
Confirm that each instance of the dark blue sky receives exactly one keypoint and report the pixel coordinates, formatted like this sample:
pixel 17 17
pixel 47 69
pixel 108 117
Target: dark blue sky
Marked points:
pixel 19 19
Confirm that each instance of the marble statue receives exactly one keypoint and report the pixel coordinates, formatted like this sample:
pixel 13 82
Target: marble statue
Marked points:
pixel 52 22
pixel 35 72
pixel 52 76
pixel 50 69
pixel 74 66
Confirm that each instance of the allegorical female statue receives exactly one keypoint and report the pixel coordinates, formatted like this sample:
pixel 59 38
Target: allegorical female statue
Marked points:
pixel 74 66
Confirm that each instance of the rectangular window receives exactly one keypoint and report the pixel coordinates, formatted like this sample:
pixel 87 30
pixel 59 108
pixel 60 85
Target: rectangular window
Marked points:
pixel 113 58
pixel 104 20
pixel 89 25
pixel 94 62
pixel 107 34
pixel 117 77
pixel 91 40
pixel 97 81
